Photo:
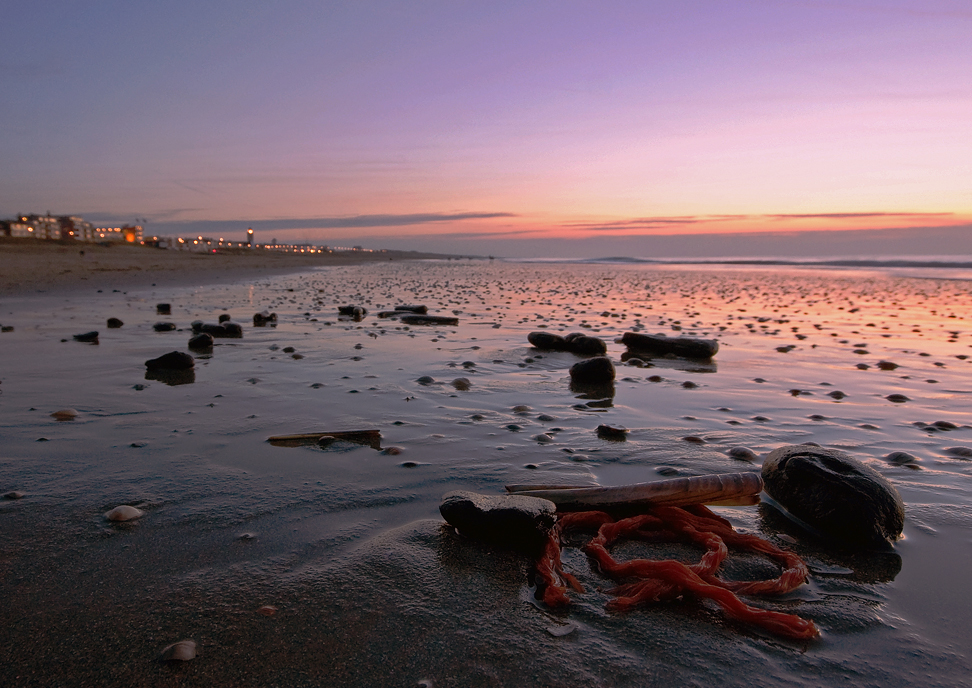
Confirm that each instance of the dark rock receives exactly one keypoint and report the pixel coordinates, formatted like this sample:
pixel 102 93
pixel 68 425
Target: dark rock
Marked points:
pixel 224 330
pixel 14 494
pixel 612 433
pixel 262 318
pixel 201 342
pixel 426 380
pixel 897 398
pixel 900 458
pixel 742 454
pixel 687 347
pixel 886 365
pixel 593 371
pixel 429 320
pixel 224 317
pixel 462 384
pixel 548 341
pixel 585 345
pixel 163 308
pixel 835 494
pixel 513 521
pixel 353 311
pixel 174 360
pixel 114 323
pixel 86 337
pixel 413 309
pixel 163 327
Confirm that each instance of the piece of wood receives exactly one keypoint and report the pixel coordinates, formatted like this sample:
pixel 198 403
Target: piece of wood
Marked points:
pixel 705 489
pixel 370 438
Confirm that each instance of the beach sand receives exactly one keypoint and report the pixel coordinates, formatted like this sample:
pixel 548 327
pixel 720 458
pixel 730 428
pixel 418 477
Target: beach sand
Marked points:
pixel 346 543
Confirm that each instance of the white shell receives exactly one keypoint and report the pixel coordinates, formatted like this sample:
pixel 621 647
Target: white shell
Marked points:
pixel 124 513
pixel 182 651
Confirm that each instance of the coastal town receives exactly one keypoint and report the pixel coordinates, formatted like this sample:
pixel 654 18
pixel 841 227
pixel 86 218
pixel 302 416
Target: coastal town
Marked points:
pixel 74 228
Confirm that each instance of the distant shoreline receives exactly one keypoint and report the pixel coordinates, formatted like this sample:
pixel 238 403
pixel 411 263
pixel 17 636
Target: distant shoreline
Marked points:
pixel 29 266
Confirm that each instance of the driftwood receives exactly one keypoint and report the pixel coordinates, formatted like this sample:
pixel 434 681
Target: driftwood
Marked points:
pixel 725 489
pixel 370 438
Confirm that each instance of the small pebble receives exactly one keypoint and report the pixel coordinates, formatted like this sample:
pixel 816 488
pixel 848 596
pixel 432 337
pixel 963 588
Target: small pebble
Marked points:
pixel 409 464
pixel 688 384
pixel 897 398
pixel 182 651
pixel 900 458
pixel 962 452
pixel 742 454
pixel 391 451
pixel 694 439
pixel 65 414
pixel 266 610
pixel 124 513
pixel 14 494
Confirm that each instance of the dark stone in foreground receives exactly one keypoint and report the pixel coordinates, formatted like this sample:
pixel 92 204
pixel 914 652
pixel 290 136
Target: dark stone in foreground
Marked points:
pixel 575 342
pixel 510 520
pixel 547 341
pixel 224 330
pixel 262 318
pixel 835 494
pixel 356 312
pixel 114 323
pixel 429 320
pixel 201 341
pixel 611 432
pixel 163 308
pixel 413 309
pixel 86 337
pixel 686 347
pixel 593 371
pixel 164 326
pixel 174 360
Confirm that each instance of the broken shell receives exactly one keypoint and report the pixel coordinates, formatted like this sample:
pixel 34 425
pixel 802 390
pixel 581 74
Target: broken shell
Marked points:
pixel 124 513
pixel 65 414
pixel 182 651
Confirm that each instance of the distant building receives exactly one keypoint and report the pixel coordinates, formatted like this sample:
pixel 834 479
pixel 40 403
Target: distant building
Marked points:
pixel 131 234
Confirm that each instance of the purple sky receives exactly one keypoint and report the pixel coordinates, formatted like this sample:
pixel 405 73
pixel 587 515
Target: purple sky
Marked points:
pixel 502 127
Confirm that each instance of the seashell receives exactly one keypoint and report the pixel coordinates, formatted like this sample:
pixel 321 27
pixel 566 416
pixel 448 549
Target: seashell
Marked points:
pixel 182 651
pixel 65 414
pixel 124 513
pixel 267 610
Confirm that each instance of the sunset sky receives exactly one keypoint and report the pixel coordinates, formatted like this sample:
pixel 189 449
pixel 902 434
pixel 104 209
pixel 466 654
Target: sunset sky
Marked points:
pixel 517 128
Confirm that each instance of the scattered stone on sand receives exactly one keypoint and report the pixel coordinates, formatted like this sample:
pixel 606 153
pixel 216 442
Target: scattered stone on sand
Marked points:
pixel 429 320
pixel 547 341
pixel 945 425
pixel 289 349
pixel 87 336
pixel 426 380
pixel 263 318
pixel 182 651
pixel 688 384
pixel 114 323
pixel 686 347
pixel 418 309
pixel 392 451
pixel 863 366
pixel 124 513
pixel 174 360
pixel 961 452
pixel 654 378
pixel 593 371
pixel 742 454
pixel 585 345
pixel 462 384
pixel 163 308
pixel 14 494
pixel 886 365
pixel 65 414
pixel 693 439
pixel 164 326
pixel 897 398
pixel 614 433
pixel 836 394
pixel 835 494
pixel 353 311
pixel 225 330
pixel 508 520
pixel 201 342
pixel 224 317
pixel 7 328
pixel 901 458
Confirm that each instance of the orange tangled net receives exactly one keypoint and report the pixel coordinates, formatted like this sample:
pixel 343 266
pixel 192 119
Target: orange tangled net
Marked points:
pixel 652 581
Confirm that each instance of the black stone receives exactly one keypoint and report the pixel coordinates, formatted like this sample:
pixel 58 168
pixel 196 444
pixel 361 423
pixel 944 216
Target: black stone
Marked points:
pixel 201 342
pixel 353 311
pixel 163 326
pixel 174 360
pixel 261 319
pixel 224 317
pixel 593 371
pixel 86 337
pixel 222 330
pixel 548 341
pixel 114 323
pixel 585 345
pixel 163 308
pixel 686 347
pixel 612 433
pixel 514 521
pixel 413 309
pixel 429 320
pixel 835 494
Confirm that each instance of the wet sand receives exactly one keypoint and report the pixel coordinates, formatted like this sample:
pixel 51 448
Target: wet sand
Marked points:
pixel 346 542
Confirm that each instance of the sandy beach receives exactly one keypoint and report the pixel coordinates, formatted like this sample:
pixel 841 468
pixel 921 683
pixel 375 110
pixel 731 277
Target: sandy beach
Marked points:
pixel 32 266
pixel 311 565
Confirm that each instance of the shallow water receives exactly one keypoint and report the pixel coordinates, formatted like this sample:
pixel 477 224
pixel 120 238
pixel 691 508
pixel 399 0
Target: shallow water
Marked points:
pixel 233 522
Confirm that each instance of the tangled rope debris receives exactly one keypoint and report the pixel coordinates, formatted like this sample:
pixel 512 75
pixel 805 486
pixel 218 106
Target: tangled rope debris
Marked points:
pixel 645 580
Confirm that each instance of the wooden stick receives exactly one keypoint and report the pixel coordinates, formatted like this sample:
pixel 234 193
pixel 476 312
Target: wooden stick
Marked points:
pixel 705 489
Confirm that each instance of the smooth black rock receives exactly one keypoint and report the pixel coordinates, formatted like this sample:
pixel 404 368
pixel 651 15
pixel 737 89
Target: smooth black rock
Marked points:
pixel 514 521
pixel 835 493
pixel 612 432
pixel 262 318
pixel 222 330
pixel 114 323
pixel 174 360
pixel 585 345
pixel 593 371
pixel 686 347
pixel 86 337
pixel 163 326
pixel 548 341
pixel 201 342
pixel 224 317
pixel 163 308
pixel 353 311
pixel 429 320
pixel 413 309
